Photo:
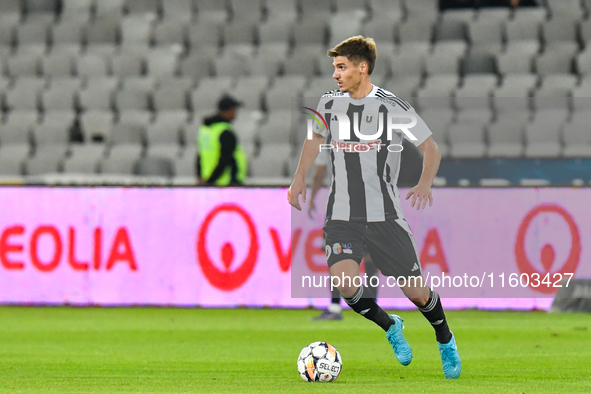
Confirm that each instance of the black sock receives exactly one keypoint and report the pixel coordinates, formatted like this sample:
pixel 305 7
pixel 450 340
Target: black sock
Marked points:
pixel 368 308
pixel 433 311
pixel 336 296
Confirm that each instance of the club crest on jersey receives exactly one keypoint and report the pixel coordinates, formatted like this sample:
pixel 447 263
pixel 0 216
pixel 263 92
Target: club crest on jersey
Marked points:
pixel 369 119
pixel 348 248
pixel 337 248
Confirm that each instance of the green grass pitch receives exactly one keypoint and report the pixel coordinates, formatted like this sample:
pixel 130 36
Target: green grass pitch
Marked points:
pixel 149 350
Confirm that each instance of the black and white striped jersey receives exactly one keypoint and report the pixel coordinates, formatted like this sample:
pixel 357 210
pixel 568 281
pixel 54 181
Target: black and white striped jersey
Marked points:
pixel 365 172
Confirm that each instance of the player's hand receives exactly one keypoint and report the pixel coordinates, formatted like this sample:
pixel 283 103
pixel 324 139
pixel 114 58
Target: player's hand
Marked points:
pixel 293 194
pixel 420 195
pixel 311 209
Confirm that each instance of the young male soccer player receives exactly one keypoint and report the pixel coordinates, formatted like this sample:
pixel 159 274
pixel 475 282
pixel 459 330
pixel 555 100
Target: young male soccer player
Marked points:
pixel 364 206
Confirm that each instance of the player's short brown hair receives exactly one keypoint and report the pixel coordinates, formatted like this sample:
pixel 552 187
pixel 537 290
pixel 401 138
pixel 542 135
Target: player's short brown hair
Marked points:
pixel 357 49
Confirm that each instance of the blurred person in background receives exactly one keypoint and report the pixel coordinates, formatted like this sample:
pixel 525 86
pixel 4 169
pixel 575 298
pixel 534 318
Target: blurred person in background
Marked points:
pixel 221 161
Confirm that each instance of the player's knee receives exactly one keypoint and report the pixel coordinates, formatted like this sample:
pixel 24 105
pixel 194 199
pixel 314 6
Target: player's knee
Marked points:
pixel 419 301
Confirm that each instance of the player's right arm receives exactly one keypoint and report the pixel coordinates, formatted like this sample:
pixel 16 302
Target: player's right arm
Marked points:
pixel 309 153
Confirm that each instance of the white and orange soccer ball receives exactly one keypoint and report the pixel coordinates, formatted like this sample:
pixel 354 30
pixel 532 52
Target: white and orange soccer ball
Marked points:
pixel 320 362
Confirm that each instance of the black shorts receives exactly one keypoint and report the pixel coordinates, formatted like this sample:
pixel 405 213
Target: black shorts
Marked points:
pixel 390 245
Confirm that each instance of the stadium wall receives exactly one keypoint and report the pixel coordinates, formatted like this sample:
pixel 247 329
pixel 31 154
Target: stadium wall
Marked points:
pixel 231 247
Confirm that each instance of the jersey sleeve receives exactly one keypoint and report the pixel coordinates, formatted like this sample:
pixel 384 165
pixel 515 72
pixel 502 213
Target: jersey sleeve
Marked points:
pixel 421 131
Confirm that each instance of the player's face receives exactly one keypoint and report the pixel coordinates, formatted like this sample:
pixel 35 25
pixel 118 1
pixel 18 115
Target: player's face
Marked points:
pixel 346 73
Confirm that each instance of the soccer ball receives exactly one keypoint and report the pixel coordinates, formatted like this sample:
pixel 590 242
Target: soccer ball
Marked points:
pixel 320 362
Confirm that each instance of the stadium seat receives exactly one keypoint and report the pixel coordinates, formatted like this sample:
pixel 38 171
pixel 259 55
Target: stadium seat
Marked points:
pixel 208 91
pixel 68 32
pixel 76 10
pixel 417 30
pixel 583 63
pixel 520 30
pixel 121 160
pixel 170 32
pixel 91 65
pixel 135 31
pixel 127 65
pixel 439 85
pixel 251 11
pixel 421 9
pixel 467 140
pixel 442 62
pixel 248 90
pixel 61 95
pixel 285 93
pixel 285 11
pixel 344 25
pixel 83 158
pixel 232 64
pixel 514 92
pixel 142 7
pixel 239 32
pixel 381 29
pixel 542 134
pixel 47 159
pixel 304 60
pixel 557 59
pixel 10 10
pixel 198 64
pixel 23 65
pixel 25 94
pixel 576 136
pixel 565 8
pixel 167 98
pixel 206 32
pixel 166 128
pixel 478 63
pixel 96 124
pixel 275 31
pixel 450 29
pixel 439 120
pixel 154 166
pixel 185 165
pixel 475 91
pixel 163 62
pixel 58 63
pixel 555 91
pixel 505 138
pixel 177 10
pixel 272 161
pixel 486 34
pixel 311 31
pixel 54 128
pixel 275 129
pixel 112 9
pixel 132 99
pixel 211 10
pixel 40 6
pixel 516 60
pixel 102 35
pixel 32 32
pixel 407 63
pixel 560 29
pixel 354 5
pixel 98 93
pixel 455 48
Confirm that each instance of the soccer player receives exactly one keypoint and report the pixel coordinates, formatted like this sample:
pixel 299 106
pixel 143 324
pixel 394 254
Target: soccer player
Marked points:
pixel 364 207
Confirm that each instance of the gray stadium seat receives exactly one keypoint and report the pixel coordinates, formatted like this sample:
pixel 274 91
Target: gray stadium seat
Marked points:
pixel 142 7
pixel 109 9
pixel 576 136
pixel 96 124
pixel 276 128
pixel 177 10
pixel 405 87
pixel 54 128
pixel 450 29
pixel 130 129
pixel 231 63
pixel 121 159
pixel 457 48
pixel 528 14
pixel 7 33
pixel 127 65
pixel 559 29
pixel 198 64
pixel 285 92
pixel 68 31
pixel 585 30
pixel 272 161
pixel 205 32
pixel 441 85
pixel 83 158
pixel 442 63
pixel 312 30
pixel 516 87
pixel 166 98
pixel 517 30
pixel 486 34
pixel 555 91
pixel 32 33
pixel 505 138
pixel 583 63
pixel 16 130
pixel 565 8
pixel 494 14
pixel 543 135
pixel 98 94
pixel 478 63
pixel 91 65
pixel 304 60
pixel 208 91
pixel 76 10
pixel 249 91
pixel 421 9
pixel 420 29
pixel 407 63
pixel 166 128
pixel 476 115
pixel 439 120
pixel 163 62
pixel 556 59
pixel 475 91
pixel 275 31
pixel 515 61
pixel 154 166
pixel 136 30
pixel 25 93
pixel 269 59
pixel 40 6
pixel 185 165
pixel 211 10
pixel 467 140
pixel 169 32
pixel 380 29
pixel 132 99
pixel 61 94
pixel 46 160
pixel 312 8
pixel 23 65
pixel 344 25
pixel 356 5
pixel 58 63
pixel 246 10
pixel 102 35
pixel 239 32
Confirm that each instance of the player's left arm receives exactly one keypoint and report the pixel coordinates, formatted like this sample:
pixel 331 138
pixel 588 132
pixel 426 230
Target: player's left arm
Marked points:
pixel 421 193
